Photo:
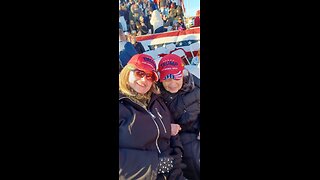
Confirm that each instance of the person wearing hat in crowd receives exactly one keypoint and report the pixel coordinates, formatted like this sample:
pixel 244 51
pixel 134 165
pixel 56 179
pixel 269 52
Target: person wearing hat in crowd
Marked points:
pixel 149 144
pixel 181 92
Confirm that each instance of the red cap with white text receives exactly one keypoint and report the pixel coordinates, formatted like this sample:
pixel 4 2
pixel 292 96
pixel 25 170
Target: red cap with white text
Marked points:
pixel 170 66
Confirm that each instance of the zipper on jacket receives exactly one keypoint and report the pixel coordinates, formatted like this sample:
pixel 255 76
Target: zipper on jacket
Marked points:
pixel 160 117
pixel 153 117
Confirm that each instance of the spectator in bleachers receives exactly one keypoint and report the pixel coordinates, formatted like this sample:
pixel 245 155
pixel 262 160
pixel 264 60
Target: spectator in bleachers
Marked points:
pixel 145 10
pixel 135 12
pixel 131 12
pixel 161 5
pixel 126 49
pixel 156 3
pixel 175 25
pixel 196 21
pixel 166 10
pixel 136 16
pixel 148 7
pixel 132 26
pixel 179 12
pixel 167 23
pixel 129 4
pixel 141 29
pixel 124 12
pixel 172 12
pixel 176 2
pixel 151 5
pixel 123 23
pixel 146 20
pixel 156 20
pixel 137 45
pixel 182 26
pixel 141 4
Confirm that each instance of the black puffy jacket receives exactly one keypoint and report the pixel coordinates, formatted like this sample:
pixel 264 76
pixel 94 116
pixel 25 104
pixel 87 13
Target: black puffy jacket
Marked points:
pixel 144 135
pixel 185 104
pixel 185 107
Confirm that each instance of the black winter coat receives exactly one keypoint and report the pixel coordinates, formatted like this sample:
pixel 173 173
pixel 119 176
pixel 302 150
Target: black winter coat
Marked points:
pixel 185 104
pixel 139 47
pixel 144 135
pixel 185 108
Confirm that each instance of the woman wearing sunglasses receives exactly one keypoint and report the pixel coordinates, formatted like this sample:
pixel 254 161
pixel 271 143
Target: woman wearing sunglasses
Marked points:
pixel 148 146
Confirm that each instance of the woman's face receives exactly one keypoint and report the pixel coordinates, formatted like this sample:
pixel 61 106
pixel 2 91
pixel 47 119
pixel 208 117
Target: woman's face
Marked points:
pixel 172 85
pixel 133 39
pixel 141 81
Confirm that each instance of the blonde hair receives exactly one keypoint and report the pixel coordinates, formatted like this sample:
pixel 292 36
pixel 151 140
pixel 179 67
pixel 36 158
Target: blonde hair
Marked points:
pixel 125 88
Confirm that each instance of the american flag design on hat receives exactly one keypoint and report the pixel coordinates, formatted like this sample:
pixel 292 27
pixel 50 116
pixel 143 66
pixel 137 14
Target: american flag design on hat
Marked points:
pixel 176 76
pixel 170 66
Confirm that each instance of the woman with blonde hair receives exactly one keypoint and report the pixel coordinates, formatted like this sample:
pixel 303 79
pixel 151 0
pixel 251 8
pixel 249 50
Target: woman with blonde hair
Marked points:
pixel 149 147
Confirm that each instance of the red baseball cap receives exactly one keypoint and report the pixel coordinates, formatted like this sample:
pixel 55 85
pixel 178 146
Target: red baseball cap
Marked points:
pixel 170 66
pixel 145 63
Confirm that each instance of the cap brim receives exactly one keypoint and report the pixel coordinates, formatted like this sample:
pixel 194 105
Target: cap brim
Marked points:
pixel 164 77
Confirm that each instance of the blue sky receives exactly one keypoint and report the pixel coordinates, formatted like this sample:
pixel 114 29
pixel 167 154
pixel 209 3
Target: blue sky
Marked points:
pixel 191 7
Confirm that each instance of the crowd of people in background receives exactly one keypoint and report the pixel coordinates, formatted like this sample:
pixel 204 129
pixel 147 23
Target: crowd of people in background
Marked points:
pixel 141 17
